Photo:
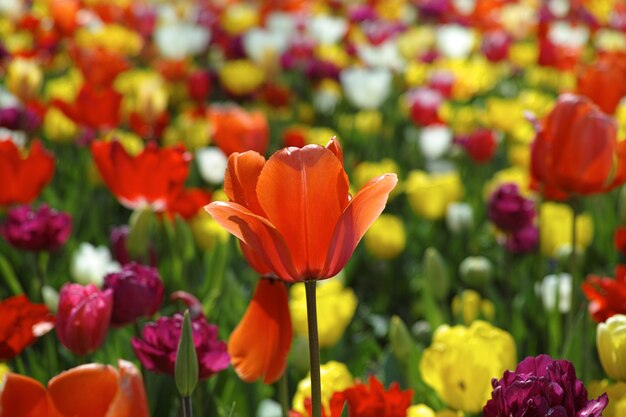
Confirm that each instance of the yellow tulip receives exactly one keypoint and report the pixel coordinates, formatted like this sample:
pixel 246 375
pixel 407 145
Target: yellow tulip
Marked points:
pixel 132 143
pixel 420 410
pixel 386 237
pixel 207 233
pixel 332 53
pixel 470 305
pixel 611 344
pixel 64 88
pixel 430 194
pixel 523 54
pixel 3 370
pixel 319 135
pixel 193 132
pixel 555 228
pixel 241 76
pixel 335 377
pixel 58 127
pixel 114 38
pixel 617 396
pixel 367 170
pixel 24 78
pixel 461 361
pixel 514 174
pixel 240 17
pixel 335 307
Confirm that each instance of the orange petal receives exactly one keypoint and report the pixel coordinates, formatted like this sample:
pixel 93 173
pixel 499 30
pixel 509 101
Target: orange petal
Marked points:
pixel 260 344
pixel 256 232
pixel 21 396
pixel 242 175
pixel 361 212
pixel 303 193
pixel 86 391
pixel 132 392
pixel 335 147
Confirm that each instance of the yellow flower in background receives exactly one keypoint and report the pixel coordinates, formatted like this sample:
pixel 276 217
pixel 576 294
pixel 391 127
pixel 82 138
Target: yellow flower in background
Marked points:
pixel 617 396
pixel 132 143
pixel 4 369
pixel 471 76
pixel 610 40
pixel 461 361
pixel 601 9
pixel 335 307
pixel 430 194
pixel 18 42
pixel 193 132
pixel 64 88
pixel 470 305
pixel 611 344
pixel 514 174
pixel 415 74
pixel 536 102
pixel 24 78
pixel 207 233
pixel 58 127
pixel 620 117
pixel 523 54
pixel 422 410
pixel 367 170
pixel 113 38
pixel 504 114
pixel 241 76
pixel 335 377
pixel 332 53
pixel 555 228
pixel 368 122
pixel 461 119
pixel 386 238
pixel 518 155
pixel 239 17
pixel 319 135
pixel 144 92
pixel 414 42
pixel 552 78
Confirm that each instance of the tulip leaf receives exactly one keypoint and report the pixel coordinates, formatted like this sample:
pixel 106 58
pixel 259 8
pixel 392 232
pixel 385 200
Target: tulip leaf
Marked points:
pixel 186 368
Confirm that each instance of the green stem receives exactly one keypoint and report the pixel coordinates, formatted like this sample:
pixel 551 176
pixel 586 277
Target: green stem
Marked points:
pixel 283 394
pixel 314 349
pixel 187 407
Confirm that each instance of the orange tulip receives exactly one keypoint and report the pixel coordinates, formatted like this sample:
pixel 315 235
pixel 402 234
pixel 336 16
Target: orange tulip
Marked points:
pixel 576 151
pixel 91 390
pixel 259 345
pixel 604 82
pixel 237 130
pixel 294 211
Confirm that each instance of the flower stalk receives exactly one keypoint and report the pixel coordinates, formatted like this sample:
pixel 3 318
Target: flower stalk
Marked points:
pixel 314 350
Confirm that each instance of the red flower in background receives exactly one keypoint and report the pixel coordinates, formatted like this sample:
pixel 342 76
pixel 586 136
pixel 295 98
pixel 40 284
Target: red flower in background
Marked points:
pixel 21 323
pixel 23 178
pixel 480 145
pixel 619 240
pixel 93 107
pixel 237 130
pixel 150 178
pixel 99 66
pixel 188 202
pixel 607 296
pixel 604 81
pixel 576 150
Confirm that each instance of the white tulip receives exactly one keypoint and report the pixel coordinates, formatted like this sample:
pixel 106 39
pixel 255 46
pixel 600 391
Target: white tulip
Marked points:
pixel 19 137
pixel 567 35
pixel 459 217
pixel 435 141
pixel 91 263
pixel 281 23
pixel 556 292
pixel 366 88
pixel 455 41
pixel 212 164
pixel 385 55
pixel 180 40
pixel 327 29
pixel 269 408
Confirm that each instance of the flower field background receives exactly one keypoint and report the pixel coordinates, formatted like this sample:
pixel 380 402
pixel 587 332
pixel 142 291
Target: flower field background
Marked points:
pixel 226 158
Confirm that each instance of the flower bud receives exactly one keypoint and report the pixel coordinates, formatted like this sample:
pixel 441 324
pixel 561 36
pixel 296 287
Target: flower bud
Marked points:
pixel 186 366
pixel 476 271
pixel 556 292
pixel 83 317
pixel 610 340
pixel 436 273
pixel 402 343
pixel 50 298
pixel 137 292
pixel 459 217
pixel 42 229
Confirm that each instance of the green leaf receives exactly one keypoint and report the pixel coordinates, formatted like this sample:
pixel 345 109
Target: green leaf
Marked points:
pixel 186 368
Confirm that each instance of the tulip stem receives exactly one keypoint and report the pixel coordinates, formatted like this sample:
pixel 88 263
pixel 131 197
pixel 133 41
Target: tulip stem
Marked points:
pixel 283 394
pixel 187 407
pixel 314 349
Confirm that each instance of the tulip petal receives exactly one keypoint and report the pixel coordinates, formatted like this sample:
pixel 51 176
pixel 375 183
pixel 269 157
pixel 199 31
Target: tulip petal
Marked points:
pixel 256 232
pixel 21 396
pixel 98 386
pixel 358 216
pixel 240 181
pixel 132 392
pixel 335 147
pixel 303 193
pixel 260 344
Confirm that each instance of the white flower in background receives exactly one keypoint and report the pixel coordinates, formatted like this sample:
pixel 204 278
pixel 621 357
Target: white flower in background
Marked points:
pixel 327 29
pixel 435 141
pixel 385 55
pixel 559 8
pixel 567 35
pixel 50 298
pixel 12 9
pixel 281 23
pixel 269 408
pixel 459 217
pixel 18 137
pixel 609 40
pixel 260 43
pixel 366 88
pixel 8 100
pixel 180 40
pixel 556 292
pixel 455 41
pixel 465 7
pixel 212 164
pixel 91 263
pixel 439 166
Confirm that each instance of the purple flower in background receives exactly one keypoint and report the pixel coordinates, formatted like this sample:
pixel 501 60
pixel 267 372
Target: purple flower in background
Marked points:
pixel 157 348
pixel 509 210
pixel 118 238
pixel 539 387
pixel 523 241
pixel 10 118
pixel 44 229
pixel 137 292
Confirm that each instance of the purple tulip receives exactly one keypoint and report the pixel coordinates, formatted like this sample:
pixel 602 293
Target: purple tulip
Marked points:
pixel 83 317
pixel 10 118
pixel 542 386
pixel 157 348
pixel 137 292
pixel 523 241
pixel 509 210
pixel 44 229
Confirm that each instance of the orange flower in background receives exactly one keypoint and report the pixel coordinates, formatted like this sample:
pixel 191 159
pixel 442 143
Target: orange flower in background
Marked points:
pixel 21 323
pixel 151 178
pixel 607 296
pixel 294 210
pixel 576 150
pixel 23 177
pixel 99 66
pixel 604 81
pixel 90 390
pixel 260 343
pixel 64 14
pixel 237 130
pixel 188 202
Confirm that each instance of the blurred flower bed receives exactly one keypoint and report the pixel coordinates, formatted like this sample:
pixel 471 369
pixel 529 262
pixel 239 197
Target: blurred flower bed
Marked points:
pixel 492 284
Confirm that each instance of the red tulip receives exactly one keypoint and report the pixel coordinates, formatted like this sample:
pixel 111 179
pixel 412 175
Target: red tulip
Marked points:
pixel 93 107
pixel 576 150
pixel 149 178
pixel 260 343
pixel 294 210
pixel 83 318
pixel 607 296
pixel 90 390
pixel 604 81
pixel 99 66
pixel 23 178
pixel 21 323
pixel 237 130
